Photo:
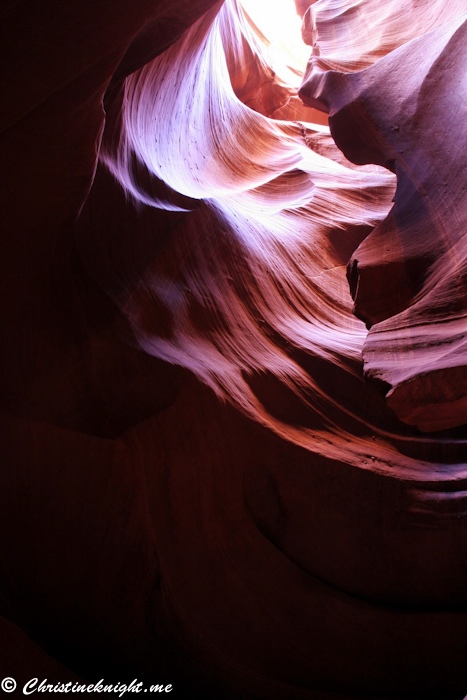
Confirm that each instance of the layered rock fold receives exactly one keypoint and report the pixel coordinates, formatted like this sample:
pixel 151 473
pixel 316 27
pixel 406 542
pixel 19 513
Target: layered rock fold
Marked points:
pixel 216 474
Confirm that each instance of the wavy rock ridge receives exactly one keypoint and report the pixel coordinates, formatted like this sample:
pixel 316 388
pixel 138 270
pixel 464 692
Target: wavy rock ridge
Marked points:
pixel 218 471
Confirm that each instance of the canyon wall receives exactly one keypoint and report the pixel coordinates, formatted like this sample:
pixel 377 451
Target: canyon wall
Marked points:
pixel 234 407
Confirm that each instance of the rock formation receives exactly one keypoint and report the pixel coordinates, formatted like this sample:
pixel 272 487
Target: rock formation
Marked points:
pixel 234 407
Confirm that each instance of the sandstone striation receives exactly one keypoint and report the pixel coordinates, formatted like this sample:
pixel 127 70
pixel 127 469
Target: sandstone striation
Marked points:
pixel 233 418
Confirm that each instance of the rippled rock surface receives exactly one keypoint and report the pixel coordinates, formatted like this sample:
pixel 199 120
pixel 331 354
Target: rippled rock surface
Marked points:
pixel 233 420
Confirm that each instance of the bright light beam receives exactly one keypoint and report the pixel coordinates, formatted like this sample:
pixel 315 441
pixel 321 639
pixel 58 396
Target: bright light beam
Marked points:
pixel 278 21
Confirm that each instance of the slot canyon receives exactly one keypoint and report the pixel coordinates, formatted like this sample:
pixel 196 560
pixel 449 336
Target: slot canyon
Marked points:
pixel 234 360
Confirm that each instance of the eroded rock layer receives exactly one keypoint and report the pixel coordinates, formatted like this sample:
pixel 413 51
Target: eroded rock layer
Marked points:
pixel 408 277
pixel 218 472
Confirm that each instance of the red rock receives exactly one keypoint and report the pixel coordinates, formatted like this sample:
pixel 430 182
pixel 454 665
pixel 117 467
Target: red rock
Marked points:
pixel 407 277
pixel 200 486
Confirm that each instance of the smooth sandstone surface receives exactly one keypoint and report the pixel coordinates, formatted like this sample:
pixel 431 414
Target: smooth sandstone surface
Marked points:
pixel 408 277
pixel 233 418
